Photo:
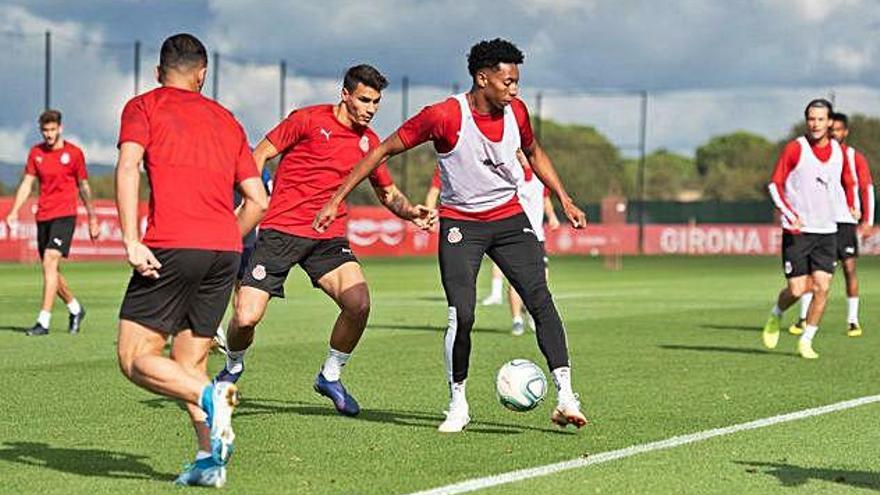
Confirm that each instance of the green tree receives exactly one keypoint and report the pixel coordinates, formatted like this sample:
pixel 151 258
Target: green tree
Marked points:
pixel 667 175
pixel 736 166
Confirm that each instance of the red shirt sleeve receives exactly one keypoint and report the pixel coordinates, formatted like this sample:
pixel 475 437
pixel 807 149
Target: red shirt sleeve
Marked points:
pixel 81 172
pixel 526 135
pixel 866 188
pixel 381 177
pixel 135 125
pixel 245 166
pixel 848 182
pixel 435 179
pixel 787 162
pixel 290 130
pixel 30 167
pixel 863 171
pixel 438 123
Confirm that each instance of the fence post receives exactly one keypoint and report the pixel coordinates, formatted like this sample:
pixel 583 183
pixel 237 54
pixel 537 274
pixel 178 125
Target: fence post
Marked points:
pixel 404 114
pixel 539 101
pixel 640 185
pixel 47 73
pixel 282 96
pixel 137 67
pixel 215 86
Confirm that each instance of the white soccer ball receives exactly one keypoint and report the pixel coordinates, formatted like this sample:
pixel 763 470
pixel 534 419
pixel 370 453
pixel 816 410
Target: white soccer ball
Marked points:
pixel 520 385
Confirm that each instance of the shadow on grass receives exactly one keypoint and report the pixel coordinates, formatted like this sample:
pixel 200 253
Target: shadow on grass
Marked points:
pixel 430 328
pixel 84 462
pixel 730 350
pixel 14 329
pixel 743 328
pixel 790 475
pixel 259 406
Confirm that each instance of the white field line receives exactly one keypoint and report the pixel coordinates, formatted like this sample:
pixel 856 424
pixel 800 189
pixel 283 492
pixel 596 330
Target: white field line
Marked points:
pixel 524 474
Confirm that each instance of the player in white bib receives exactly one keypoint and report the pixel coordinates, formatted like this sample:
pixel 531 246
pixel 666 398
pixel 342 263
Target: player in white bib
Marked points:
pixel 477 135
pixel 849 228
pixel 803 188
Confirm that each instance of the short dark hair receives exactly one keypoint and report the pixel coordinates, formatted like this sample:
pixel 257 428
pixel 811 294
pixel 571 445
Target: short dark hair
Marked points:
pixel 50 116
pixel 819 103
pixel 841 117
pixel 488 54
pixel 182 52
pixel 364 74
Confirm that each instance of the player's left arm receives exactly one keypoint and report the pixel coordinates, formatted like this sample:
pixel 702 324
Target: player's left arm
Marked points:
pixel 849 188
pixel 393 198
pixel 866 193
pixel 543 168
pixel 85 193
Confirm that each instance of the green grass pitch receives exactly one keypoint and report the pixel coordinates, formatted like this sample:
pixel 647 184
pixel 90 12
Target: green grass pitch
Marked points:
pixel 665 347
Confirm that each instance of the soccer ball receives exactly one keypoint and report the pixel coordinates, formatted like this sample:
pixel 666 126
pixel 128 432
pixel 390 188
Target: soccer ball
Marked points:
pixel 520 385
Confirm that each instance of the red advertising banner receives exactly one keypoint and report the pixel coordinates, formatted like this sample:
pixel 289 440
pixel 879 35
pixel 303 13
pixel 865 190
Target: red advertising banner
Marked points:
pixel 374 231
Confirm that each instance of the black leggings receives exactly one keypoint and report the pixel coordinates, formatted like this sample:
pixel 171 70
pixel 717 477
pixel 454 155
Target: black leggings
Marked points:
pixel 512 245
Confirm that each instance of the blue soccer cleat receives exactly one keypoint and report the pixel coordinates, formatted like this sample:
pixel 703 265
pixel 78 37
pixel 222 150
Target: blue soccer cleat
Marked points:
pixel 204 472
pixel 218 402
pixel 342 400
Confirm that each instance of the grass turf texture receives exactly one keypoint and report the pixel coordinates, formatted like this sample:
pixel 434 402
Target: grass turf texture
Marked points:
pixel 667 346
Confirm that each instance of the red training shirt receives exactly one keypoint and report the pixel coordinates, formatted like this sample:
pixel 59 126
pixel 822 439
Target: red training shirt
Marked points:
pixel 441 123
pixel 59 172
pixel 195 153
pixel 318 153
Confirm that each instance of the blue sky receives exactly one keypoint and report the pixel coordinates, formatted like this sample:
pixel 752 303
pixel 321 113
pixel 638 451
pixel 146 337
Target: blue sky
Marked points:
pixel 711 66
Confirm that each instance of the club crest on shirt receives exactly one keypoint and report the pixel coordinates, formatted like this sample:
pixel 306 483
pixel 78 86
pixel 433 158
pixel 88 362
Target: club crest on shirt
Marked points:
pixel 454 236
pixel 65 158
pixel 259 272
pixel 364 144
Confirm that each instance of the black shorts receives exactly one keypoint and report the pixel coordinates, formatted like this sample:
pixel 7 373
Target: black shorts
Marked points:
pixel 544 250
pixel 277 252
pixel 56 234
pixel 192 291
pixel 803 254
pixel 847 241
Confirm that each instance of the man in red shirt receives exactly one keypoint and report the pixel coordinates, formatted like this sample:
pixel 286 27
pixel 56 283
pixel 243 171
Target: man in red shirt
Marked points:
pixel 477 136
pixel 60 167
pixel 803 188
pixel 849 228
pixel 185 266
pixel 319 146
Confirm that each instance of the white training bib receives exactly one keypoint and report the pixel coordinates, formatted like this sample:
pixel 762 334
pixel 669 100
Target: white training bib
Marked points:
pixel 810 188
pixel 842 213
pixel 479 174
pixel 531 197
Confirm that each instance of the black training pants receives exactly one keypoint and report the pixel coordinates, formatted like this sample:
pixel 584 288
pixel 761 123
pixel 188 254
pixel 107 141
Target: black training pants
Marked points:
pixel 513 246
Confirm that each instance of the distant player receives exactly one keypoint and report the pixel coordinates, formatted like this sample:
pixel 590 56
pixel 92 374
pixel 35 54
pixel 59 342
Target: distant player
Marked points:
pixel 476 136
pixel 60 168
pixel 847 231
pixel 185 266
pixel 535 199
pixel 319 146
pixel 803 189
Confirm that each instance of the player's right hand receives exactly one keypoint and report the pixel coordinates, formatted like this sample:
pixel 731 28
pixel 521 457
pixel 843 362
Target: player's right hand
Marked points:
pixel 142 259
pixel 575 215
pixel 325 217
pixel 424 217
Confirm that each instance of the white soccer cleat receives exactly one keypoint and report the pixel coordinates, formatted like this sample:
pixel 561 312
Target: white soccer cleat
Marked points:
pixel 569 413
pixel 224 400
pixel 457 419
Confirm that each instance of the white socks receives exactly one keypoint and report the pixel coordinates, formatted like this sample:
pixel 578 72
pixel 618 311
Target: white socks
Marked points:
pixel 776 311
pixel 457 397
pixel 809 333
pixel 235 361
pixel 518 319
pixel 852 309
pixel 497 287
pixel 562 379
pixel 334 363
pixel 44 318
pixel 806 299
pixel 74 307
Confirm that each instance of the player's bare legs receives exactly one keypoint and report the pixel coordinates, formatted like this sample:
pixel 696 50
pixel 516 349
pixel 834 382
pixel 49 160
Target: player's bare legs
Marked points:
pixel 852 297
pixel 496 296
pixel 347 286
pixel 190 352
pixel 250 307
